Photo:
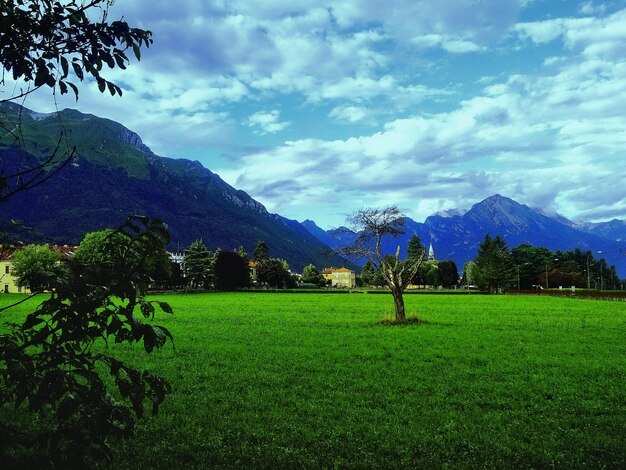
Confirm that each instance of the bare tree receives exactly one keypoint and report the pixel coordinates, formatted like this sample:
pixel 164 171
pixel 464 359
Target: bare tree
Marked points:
pixel 371 226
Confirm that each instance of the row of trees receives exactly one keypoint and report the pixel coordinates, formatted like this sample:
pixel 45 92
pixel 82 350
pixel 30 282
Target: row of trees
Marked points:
pixel 496 267
pixel 229 270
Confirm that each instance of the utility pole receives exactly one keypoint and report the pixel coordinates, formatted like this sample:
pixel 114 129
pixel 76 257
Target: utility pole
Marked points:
pixel 555 259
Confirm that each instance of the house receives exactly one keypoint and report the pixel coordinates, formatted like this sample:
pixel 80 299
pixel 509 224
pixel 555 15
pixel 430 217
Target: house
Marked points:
pixel 8 282
pixel 327 274
pixel 340 277
pixel 253 265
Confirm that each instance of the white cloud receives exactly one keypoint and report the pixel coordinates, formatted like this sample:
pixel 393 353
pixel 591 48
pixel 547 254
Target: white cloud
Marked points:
pixel 591 8
pixel 447 43
pixel 595 37
pixel 267 122
pixel 349 113
pixel 549 140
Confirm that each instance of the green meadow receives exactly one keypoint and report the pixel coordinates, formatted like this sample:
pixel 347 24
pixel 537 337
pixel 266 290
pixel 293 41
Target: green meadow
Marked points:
pixel 273 380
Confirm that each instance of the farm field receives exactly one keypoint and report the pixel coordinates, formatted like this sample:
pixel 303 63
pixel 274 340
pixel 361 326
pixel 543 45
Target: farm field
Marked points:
pixel 272 380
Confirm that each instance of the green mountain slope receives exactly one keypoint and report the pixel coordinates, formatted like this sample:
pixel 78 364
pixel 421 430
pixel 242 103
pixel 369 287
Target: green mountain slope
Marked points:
pixel 114 174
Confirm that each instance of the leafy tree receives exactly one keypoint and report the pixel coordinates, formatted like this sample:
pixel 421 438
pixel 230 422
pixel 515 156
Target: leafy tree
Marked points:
pixel 530 263
pixel 52 44
pixel 368 274
pixel 493 266
pixel 468 269
pixel 312 275
pixel 448 273
pixel 431 274
pixel 261 252
pixel 107 248
pixel 371 227
pixel 414 251
pixel 414 248
pixel 37 268
pixel 231 270
pixel 198 265
pixel 49 365
pixel 243 253
pixel 274 272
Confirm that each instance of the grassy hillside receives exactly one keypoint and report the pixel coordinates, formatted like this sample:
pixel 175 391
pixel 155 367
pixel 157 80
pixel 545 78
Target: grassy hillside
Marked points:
pixel 294 380
pixel 101 141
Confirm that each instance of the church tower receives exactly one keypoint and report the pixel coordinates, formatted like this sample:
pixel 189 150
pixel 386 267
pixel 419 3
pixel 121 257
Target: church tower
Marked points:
pixel 431 252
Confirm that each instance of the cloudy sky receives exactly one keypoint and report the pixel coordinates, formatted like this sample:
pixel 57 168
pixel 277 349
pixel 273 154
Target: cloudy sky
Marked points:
pixel 319 108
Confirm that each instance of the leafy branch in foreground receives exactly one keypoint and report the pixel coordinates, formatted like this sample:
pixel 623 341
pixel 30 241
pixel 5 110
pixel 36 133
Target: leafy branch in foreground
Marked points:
pixel 49 365
pixel 49 40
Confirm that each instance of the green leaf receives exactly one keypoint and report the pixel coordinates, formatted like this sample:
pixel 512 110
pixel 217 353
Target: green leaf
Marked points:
pixel 114 326
pixel 165 306
pixel 78 71
pixel 147 309
pixel 65 66
pixel 137 51
pixel 111 88
pixel 119 59
pixel 101 84
pixel 74 88
pixel 31 321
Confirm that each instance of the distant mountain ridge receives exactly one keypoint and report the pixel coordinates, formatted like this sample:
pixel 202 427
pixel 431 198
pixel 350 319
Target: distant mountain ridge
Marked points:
pixel 456 235
pixel 115 174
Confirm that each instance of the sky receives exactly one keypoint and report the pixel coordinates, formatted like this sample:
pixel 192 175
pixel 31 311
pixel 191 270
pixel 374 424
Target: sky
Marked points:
pixel 317 109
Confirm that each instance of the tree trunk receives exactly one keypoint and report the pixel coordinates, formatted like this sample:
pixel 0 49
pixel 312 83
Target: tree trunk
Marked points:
pixel 399 303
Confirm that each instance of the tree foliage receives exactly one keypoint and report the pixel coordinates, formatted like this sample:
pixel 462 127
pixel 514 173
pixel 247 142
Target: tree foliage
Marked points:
pixel 231 270
pixel 51 43
pixel 414 248
pixel 198 265
pixel 49 366
pixel 493 268
pixel 312 275
pixel 261 251
pixel 564 268
pixel 274 272
pixel 368 274
pixel 372 226
pixel 37 268
pixel 448 275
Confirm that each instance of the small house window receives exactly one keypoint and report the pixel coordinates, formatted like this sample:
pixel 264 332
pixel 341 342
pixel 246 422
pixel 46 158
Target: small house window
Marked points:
pixel 6 269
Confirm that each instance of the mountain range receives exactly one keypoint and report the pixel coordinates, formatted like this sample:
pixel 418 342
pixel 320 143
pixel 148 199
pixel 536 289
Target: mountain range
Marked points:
pixel 114 174
pixel 456 234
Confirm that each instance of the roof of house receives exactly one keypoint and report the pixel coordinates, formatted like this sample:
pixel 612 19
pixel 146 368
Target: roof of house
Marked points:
pixel 343 270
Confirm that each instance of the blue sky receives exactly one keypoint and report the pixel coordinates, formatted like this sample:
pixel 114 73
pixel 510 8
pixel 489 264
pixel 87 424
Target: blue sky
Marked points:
pixel 320 108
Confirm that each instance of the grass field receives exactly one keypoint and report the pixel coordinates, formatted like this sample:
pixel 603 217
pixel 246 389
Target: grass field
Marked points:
pixel 292 381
